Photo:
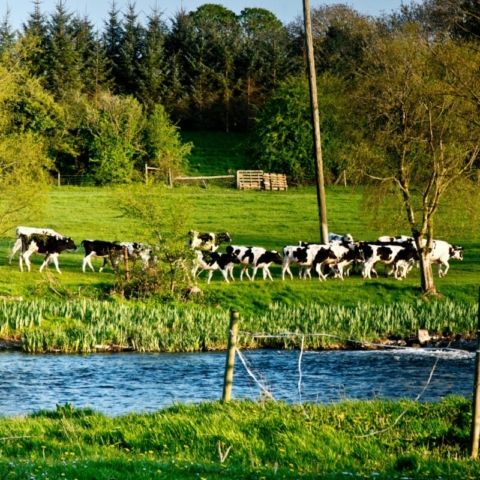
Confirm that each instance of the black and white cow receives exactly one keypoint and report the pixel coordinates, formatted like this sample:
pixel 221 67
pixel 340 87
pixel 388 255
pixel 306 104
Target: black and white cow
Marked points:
pixel 398 256
pixel 213 261
pixel 396 239
pixel 442 252
pixel 101 249
pixel 255 257
pixel 29 231
pixel 47 245
pixel 207 241
pixel 334 237
pixel 140 251
pixel 311 255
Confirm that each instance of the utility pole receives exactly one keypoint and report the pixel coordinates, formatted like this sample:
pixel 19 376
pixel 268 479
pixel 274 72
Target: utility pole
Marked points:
pixel 312 78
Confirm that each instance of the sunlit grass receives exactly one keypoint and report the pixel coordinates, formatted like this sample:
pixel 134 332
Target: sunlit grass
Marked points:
pixel 263 440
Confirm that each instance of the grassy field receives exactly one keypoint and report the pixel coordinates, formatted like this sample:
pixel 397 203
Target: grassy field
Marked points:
pixel 267 219
pixel 245 440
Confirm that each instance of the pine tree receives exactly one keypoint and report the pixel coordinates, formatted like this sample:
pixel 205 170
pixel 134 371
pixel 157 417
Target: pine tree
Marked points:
pixel 153 67
pixel 112 40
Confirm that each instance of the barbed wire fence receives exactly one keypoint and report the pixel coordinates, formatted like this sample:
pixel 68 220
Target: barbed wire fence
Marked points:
pixel 261 380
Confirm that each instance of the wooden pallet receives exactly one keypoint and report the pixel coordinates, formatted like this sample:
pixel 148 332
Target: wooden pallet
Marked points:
pixel 275 181
pixel 250 179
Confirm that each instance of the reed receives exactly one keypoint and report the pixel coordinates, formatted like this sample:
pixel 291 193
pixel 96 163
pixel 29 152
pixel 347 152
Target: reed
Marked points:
pixel 89 325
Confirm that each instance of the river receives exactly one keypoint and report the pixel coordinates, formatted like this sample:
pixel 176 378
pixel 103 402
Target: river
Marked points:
pixel 120 383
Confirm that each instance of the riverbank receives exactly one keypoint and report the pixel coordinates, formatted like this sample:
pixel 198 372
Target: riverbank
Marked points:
pixel 245 440
pixel 87 326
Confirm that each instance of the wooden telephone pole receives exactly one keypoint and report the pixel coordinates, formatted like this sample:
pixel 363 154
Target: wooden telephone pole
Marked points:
pixel 312 78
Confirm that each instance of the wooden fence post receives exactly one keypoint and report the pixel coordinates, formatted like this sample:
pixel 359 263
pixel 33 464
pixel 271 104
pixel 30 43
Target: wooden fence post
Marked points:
pixel 232 344
pixel 125 260
pixel 58 180
pixel 146 174
pixel 476 393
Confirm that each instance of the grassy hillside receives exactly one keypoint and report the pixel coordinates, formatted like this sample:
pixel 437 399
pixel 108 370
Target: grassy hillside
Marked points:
pixel 217 153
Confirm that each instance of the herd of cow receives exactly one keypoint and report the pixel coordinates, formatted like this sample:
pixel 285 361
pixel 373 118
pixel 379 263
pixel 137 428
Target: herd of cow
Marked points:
pixel 335 258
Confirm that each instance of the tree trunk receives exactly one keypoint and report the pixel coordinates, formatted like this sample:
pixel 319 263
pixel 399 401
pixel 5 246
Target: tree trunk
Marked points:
pixel 426 274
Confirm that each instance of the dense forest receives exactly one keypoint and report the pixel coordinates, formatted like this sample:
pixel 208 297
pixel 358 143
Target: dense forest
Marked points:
pixel 104 102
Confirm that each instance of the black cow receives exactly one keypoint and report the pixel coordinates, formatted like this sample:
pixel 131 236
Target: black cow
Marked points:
pixel 47 245
pixel 101 249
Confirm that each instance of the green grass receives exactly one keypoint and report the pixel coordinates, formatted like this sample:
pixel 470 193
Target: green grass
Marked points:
pixel 265 440
pixel 267 219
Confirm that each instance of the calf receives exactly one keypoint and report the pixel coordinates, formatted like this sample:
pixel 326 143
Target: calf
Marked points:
pixel 101 249
pixel 207 241
pixel 255 257
pixel 29 231
pixel 44 244
pixel 214 261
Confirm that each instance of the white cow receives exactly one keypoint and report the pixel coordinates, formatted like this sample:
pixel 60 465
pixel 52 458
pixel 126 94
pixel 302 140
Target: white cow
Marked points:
pixel 29 231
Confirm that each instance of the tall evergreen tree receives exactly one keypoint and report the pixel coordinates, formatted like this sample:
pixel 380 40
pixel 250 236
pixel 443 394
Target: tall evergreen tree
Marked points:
pixel 65 62
pixel 7 35
pixel 34 42
pixel 112 40
pixel 153 67
pixel 131 50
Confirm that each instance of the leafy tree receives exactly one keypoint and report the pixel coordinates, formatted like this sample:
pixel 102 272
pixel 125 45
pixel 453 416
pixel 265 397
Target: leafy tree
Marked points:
pixel 165 221
pixel 261 58
pixel 421 136
pixel 115 124
pixel 23 161
pixel 282 138
pixel 163 144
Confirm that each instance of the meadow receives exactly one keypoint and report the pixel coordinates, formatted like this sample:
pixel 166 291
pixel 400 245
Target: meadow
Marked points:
pixel 75 312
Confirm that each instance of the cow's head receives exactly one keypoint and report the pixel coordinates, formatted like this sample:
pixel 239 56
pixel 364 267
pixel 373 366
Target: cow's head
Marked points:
pixel 224 237
pixel 276 257
pixel 456 252
pixel 69 244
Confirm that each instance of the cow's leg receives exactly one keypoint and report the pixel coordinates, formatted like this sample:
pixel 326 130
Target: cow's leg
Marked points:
pixel 25 256
pixel 54 258
pixel 318 268
pixel 286 268
pixel 225 274
pixel 105 262
pixel 45 262
pixel 16 247
pixel 444 272
pixel 210 273
pixel 21 262
pixel 266 273
pixel 254 272
pixel 87 260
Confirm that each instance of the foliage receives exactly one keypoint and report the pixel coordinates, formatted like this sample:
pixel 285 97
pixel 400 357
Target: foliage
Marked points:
pixel 171 259
pixel 80 326
pixel 283 141
pixel 421 134
pixel 164 146
pixel 115 127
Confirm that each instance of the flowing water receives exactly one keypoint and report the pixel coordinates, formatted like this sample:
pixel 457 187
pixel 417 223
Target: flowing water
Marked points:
pixel 120 383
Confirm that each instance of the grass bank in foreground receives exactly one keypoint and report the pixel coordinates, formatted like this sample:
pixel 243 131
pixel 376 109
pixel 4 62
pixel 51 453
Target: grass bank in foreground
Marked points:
pixel 244 440
pixel 86 326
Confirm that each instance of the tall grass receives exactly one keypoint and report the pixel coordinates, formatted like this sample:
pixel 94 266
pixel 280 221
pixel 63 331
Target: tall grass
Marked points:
pixel 86 325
